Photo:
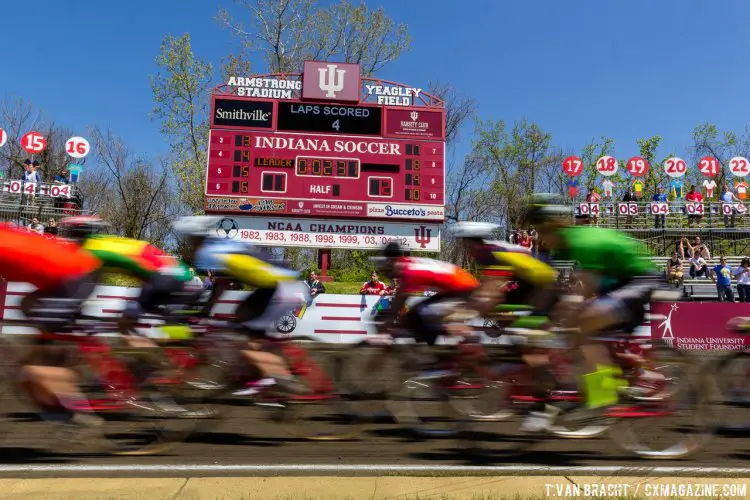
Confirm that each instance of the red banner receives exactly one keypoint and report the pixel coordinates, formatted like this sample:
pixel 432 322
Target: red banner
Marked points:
pixel 699 326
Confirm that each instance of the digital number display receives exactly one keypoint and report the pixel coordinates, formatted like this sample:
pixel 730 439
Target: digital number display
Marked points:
pixel 327 167
pixel 329 118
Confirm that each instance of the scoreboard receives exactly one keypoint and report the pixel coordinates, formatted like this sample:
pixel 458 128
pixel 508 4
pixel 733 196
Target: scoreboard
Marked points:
pixel 297 157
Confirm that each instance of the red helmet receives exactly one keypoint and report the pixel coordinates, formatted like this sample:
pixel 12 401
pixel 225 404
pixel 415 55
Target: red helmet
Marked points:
pixel 83 225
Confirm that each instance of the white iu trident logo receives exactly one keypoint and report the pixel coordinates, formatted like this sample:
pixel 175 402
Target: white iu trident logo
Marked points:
pixel 414 115
pixel 332 83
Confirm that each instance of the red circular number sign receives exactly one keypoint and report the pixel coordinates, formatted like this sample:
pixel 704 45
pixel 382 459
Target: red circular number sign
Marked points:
pixel 709 166
pixel 33 142
pixel 573 166
pixel 637 166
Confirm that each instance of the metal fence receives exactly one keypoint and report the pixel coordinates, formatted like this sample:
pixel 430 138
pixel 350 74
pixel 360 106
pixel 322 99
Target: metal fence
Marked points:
pixel 650 215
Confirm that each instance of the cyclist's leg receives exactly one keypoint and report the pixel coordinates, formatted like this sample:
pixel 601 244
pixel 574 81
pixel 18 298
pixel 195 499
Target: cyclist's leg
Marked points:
pixel 158 291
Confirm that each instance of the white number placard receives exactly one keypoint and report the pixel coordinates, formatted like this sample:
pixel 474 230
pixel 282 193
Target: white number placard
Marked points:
pixel 627 208
pixel 659 208
pixel 694 208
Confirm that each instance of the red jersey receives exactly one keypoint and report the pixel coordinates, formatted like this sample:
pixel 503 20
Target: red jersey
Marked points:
pixel 419 275
pixel 45 263
pixel 696 197
pixel 372 287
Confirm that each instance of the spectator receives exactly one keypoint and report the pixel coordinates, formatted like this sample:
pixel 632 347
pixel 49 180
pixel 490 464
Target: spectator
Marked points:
pixel 728 197
pixel 526 241
pixel 722 276
pixel 35 226
pixel 697 249
pixel 316 286
pixel 62 177
pixel 374 286
pixel 196 281
pixel 742 275
pixel 659 197
pixel 514 237
pixel 51 227
pixel 392 288
pixel 629 197
pixel 694 197
pixel 208 283
pixel 592 197
pixel 674 269
pixel 698 267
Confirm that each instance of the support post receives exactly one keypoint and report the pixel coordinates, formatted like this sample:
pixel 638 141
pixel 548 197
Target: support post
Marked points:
pixel 324 263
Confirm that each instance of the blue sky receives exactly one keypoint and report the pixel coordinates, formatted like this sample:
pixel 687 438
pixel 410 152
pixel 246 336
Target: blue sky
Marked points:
pixel 584 69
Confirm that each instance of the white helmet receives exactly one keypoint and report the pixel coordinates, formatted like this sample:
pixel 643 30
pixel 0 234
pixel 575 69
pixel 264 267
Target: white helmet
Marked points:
pixel 479 230
pixel 197 225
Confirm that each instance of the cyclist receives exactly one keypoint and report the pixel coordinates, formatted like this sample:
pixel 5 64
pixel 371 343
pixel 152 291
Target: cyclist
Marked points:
pixel 425 320
pixel 614 269
pixel 164 277
pixel 277 290
pixel 508 273
pixel 64 276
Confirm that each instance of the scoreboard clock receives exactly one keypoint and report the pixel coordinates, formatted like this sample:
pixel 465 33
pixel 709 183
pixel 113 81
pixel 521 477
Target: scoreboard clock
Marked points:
pixel 303 159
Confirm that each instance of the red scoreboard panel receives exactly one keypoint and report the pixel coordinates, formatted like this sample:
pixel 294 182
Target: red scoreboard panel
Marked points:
pixel 325 160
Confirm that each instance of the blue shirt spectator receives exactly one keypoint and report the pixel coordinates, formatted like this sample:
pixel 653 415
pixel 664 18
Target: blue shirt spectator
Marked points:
pixel 661 196
pixel 723 274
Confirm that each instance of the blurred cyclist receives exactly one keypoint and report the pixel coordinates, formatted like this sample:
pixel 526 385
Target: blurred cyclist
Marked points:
pixel 64 276
pixel 163 276
pixel 277 290
pixel 425 320
pixel 613 268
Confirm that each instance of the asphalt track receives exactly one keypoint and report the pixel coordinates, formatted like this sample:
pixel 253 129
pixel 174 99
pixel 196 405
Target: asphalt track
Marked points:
pixel 244 443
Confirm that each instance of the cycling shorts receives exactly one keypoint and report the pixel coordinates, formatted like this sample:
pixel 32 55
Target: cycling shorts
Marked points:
pixel 55 308
pixel 425 318
pixel 158 292
pixel 627 301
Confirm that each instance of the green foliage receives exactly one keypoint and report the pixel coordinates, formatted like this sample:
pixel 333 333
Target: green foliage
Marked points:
pixel 181 103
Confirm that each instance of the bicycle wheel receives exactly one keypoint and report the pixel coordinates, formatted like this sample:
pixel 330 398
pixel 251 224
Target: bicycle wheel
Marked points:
pixel 140 414
pixel 679 423
pixel 732 404
pixel 322 413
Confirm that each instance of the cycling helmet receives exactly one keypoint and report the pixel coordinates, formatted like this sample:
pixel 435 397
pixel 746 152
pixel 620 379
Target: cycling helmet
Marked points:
pixel 474 230
pixel 83 226
pixel 197 225
pixel 547 207
pixel 392 250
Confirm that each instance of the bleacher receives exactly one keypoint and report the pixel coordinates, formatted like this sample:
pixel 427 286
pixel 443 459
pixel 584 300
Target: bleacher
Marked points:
pixel 48 201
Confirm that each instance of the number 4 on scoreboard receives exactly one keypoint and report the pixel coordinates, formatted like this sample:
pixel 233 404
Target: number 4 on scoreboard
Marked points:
pixel 336 125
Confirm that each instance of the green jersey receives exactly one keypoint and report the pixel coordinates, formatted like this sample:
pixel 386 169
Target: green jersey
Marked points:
pixel 609 253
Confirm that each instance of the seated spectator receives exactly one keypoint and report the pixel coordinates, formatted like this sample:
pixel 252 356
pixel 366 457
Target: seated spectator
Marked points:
pixel 742 275
pixel 514 236
pixel 660 197
pixel 722 276
pixel 196 281
pixel 698 267
pixel 698 248
pixel 51 227
pixel 374 286
pixel 316 286
pixel 674 269
pixel 694 196
pixel 35 226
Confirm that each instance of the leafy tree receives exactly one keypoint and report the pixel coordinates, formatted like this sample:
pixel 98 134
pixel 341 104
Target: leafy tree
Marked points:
pixel 181 92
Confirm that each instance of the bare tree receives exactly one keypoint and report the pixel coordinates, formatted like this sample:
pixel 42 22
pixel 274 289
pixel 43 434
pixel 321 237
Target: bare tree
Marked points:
pixel 288 32
pixel 139 203
pixel 459 109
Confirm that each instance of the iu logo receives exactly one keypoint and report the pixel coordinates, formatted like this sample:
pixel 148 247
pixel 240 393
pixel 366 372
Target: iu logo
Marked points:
pixel 667 335
pixel 331 80
pixel 414 115
pixel 301 204
pixel 423 236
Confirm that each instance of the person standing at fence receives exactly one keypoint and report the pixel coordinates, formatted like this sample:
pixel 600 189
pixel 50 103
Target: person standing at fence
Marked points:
pixel 659 197
pixel 722 276
pixel 694 197
pixel 728 197
pixel 742 275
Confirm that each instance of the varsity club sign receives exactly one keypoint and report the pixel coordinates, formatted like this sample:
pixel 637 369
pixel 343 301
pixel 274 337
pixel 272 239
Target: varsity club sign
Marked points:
pixel 330 233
